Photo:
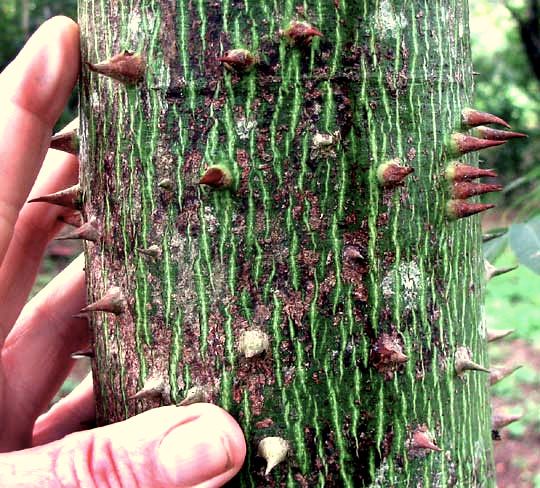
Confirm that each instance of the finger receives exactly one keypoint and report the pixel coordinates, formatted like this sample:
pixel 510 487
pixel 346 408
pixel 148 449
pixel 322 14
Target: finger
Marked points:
pixel 35 227
pixel 33 91
pixel 195 446
pixel 71 414
pixel 37 353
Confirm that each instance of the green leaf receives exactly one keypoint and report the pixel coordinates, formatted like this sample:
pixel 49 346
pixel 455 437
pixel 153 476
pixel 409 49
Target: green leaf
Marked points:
pixel 524 241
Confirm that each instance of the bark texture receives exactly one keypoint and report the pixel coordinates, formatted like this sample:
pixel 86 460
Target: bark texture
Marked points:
pixel 318 297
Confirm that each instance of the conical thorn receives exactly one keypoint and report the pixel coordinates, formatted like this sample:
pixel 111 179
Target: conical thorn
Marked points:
pixel 128 67
pixel 473 118
pixel 274 450
pixel 422 438
pixel 491 236
pixel 301 33
pixel 462 172
pixel 492 271
pixel 392 173
pixel 238 60
pixel 85 232
pixel 498 374
pixel 112 302
pixel 153 387
pixel 154 251
pixel 464 143
pixel 217 177
pixel 467 189
pixel 458 209
pixel 70 197
pixel 500 420
pixel 196 394
pixel 497 134
pixel 67 139
pixel 495 335
pixel 463 362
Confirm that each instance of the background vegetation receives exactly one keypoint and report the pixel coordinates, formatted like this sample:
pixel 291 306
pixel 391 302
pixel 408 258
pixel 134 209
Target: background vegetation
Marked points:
pixel 506 52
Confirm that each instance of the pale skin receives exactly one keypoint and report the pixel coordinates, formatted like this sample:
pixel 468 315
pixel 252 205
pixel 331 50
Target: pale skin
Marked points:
pixel 195 446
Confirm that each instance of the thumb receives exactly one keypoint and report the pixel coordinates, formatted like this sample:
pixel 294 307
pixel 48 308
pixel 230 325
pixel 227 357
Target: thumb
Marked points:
pixel 199 445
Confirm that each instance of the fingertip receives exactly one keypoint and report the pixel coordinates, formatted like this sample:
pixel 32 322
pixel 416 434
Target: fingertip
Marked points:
pixel 44 73
pixel 207 450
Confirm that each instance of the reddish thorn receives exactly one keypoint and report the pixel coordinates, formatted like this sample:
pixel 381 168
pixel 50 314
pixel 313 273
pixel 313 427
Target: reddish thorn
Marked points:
pixel 463 172
pixel 393 174
pixel 466 189
pixel 65 141
pixel 216 177
pixel 474 118
pixel 86 232
pixel 464 143
pixel 239 60
pixel 127 67
pixel 457 209
pixel 301 33
pixel 70 198
pixel 497 134
pixel 422 439
pixel 113 302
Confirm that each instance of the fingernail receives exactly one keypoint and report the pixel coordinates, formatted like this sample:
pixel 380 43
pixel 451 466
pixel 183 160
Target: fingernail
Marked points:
pixel 195 452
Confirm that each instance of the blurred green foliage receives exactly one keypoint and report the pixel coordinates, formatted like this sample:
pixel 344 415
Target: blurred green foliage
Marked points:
pixel 19 19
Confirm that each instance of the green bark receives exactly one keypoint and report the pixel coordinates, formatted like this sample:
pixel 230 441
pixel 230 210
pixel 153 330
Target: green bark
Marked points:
pixel 306 245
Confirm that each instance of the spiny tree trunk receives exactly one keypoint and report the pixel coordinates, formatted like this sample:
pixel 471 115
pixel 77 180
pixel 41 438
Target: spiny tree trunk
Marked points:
pixel 313 284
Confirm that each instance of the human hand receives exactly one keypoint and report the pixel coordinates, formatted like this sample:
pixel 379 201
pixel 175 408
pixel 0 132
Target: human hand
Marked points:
pixel 197 445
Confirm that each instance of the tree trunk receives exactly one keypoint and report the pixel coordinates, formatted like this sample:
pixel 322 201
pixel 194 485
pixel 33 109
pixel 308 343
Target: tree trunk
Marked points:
pixel 312 284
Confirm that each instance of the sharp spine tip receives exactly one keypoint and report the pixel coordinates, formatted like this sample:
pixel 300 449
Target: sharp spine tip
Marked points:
pixel 497 134
pixel 128 68
pixel 85 232
pixel 301 33
pixel 459 172
pixel 498 374
pixel 466 189
pixel 196 394
pixel 492 271
pixel 422 438
pixel 393 173
pixel 112 302
pixel 274 450
pixel 458 209
pixel 465 143
pixel 495 335
pixel 500 420
pixel 463 362
pixel 153 387
pixel 473 118
pixel 70 197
